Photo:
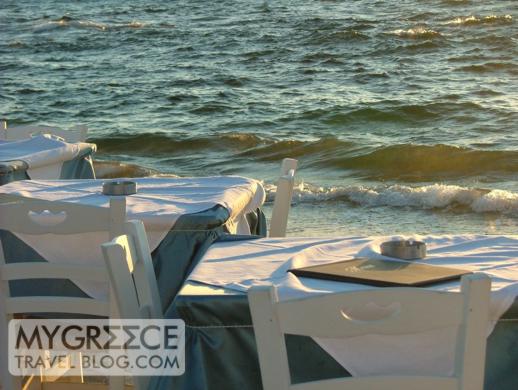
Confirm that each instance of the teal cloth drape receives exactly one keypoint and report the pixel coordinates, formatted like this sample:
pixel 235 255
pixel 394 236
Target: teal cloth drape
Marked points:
pixel 187 242
pixel 173 259
pixel 81 167
pixel 13 171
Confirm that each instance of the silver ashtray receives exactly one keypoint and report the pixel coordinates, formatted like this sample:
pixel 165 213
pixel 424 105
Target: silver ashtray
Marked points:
pixel 404 249
pixel 119 187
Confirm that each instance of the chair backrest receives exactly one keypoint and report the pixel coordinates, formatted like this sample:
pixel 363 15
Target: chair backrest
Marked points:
pixel 76 133
pixel 132 278
pixel 415 310
pixel 35 216
pixel 283 196
pixel 38 217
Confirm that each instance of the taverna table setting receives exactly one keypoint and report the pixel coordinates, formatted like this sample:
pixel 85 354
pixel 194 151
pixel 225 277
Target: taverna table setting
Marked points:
pixel 45 156
pixel 222 350
pixel 180 216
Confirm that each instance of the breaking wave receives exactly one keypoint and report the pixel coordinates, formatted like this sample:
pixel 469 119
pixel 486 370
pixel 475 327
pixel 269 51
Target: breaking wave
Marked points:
pixel 430 197
pixel 476 20
pixel 70 22
pixel 418 33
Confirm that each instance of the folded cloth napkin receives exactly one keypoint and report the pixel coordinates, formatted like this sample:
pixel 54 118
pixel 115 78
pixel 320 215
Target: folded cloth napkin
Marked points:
pixel 44 154
pixel 159 203
pixel 241 265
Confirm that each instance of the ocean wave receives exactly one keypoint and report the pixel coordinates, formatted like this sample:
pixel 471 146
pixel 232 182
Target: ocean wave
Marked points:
pixel 428 197
pixel 17 44
pixel 159 143
pixel 277 150
pixel 389 112
pixel 337 36
pixel 405 162
pixel 70 22
pixel 427 162
pixel 116 169
pixel 417 33
pixel 133 24
pixel 476 20
pixel 66 22
pixel 491 67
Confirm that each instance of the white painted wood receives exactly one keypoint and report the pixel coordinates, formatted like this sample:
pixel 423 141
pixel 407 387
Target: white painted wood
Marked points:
pixel 33 216
pixel 117 215
pixel 334 316
pixel 7 381
pixel 38 270
pixel 283 196
pixel 119 263
pixel 36 216
pixel 76 133
pixel 271 347
pixel 470 356
pixel 409 310
pixel 135 290
pixel 143 271
pixel 117 255
pixel 57 305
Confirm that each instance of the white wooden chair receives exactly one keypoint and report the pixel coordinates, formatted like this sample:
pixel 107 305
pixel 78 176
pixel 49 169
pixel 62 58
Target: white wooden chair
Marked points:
pixel 420 310
pixel 133 280
pixel 39 217
pixel 283 196
pixel 77 133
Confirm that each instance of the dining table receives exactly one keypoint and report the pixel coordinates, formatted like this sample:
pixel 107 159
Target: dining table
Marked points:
pixel 45 156
pixel 221 351
pixel 182 217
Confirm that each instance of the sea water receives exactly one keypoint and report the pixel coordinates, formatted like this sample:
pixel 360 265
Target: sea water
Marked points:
pixel 403 115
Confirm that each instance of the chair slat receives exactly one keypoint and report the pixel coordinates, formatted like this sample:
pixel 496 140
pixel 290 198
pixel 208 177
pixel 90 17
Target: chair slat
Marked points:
pixel 40 270
pixel 334 315
pixel 57 305
pixel 36 216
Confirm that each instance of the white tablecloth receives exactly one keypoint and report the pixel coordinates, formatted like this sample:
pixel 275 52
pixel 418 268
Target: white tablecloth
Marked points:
pixel 159 203
pixel 44 154
pixel 241 265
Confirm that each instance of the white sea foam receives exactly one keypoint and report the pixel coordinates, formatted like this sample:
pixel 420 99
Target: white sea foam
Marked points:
pixel 70 23
pixel 435 196
pixel 417 32
pixel 478 20
pixel 84 24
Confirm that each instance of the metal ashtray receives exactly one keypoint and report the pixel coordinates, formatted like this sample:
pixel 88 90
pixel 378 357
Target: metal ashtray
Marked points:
pixel 404 249
pixel 119 187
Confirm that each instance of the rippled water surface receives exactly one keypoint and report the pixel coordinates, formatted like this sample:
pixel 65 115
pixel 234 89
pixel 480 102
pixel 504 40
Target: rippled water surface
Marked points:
pixel 402 114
